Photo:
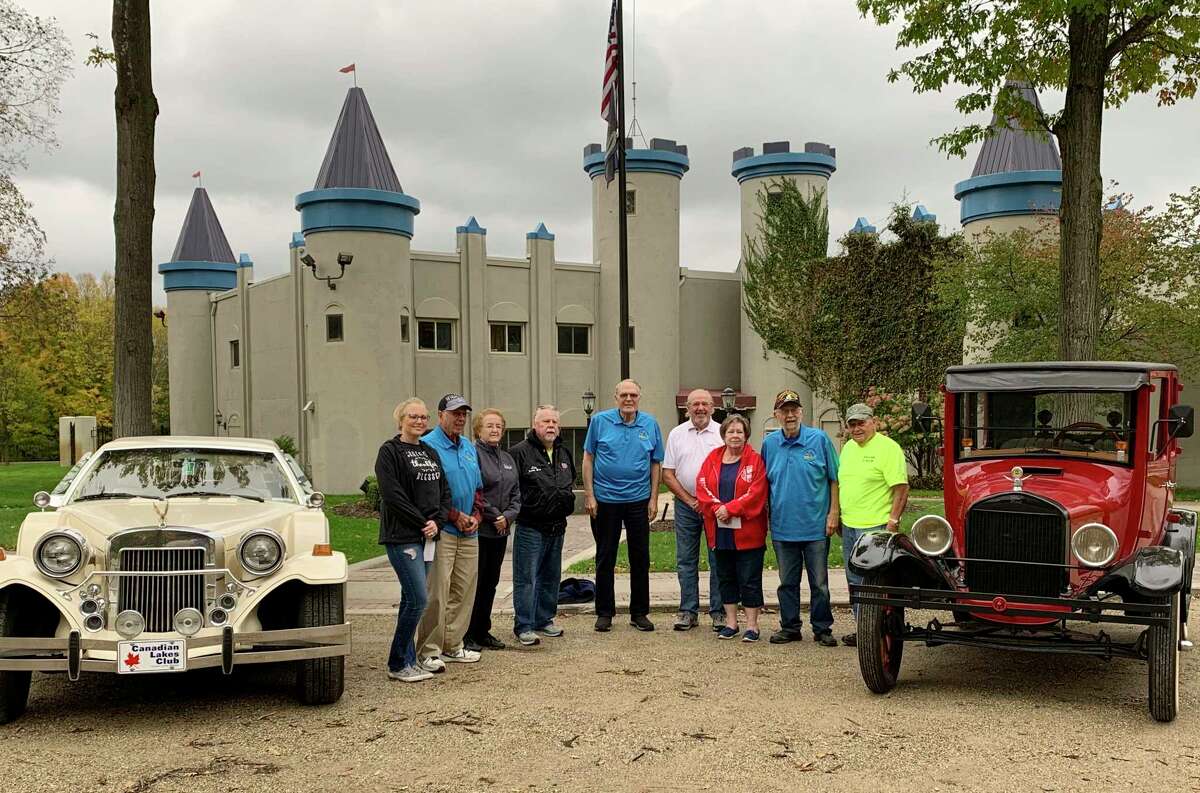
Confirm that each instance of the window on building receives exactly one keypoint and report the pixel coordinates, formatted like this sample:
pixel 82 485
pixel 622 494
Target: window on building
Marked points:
pixel 435 335
pixel 235 354
pixel 333 327
pixel 572 438
pixel 507 337
pixel 514 436
pixel 573 339
pixel 630 202
pixel 404 328
pixel 774 200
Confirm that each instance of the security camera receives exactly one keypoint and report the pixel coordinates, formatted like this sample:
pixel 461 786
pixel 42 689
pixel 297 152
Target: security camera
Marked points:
pixel 307 261
pixel 344 259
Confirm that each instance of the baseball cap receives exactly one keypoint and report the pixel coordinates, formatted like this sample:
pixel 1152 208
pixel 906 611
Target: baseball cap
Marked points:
pixel 786 397
pixel 452 402
pixel 859 412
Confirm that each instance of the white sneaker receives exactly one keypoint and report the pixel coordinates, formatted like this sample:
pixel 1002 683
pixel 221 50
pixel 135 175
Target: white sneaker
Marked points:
pixel 551 630
pixel 432 664
pixel 463 656
pixel 410 674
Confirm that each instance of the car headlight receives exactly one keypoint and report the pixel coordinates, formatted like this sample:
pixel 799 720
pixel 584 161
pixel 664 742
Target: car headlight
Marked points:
pixel 932 535
pixel 261 552
pixel 60 553
pixel 1094 544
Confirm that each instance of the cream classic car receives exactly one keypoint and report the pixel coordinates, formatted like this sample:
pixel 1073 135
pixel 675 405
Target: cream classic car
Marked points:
pixel 167 554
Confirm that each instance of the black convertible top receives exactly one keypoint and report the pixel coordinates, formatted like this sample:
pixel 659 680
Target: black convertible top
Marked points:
pixel 1053 376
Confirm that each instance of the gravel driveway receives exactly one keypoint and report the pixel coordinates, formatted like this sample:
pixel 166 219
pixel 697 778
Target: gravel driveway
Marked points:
pixel 622 711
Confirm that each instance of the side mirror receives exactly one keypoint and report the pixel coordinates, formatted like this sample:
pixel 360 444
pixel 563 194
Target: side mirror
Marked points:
pixel 922 417
pixel 1181 420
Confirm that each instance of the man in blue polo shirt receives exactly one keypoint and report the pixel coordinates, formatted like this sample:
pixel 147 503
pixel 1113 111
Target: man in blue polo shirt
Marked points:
pixel 802 473
pixel 622 460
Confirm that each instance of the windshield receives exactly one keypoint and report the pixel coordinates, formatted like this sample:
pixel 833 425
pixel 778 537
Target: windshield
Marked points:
pixel 167 473
pixel 1093 425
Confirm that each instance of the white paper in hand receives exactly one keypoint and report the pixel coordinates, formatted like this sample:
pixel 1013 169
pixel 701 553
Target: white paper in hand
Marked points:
pixel 734 522
pixel 430 547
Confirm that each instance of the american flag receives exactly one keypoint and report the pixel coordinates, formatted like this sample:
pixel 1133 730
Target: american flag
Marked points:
pixel 609 98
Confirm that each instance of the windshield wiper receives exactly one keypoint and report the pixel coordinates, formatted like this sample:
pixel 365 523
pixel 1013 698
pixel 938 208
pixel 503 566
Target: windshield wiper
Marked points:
pixel 215 494
pixel 98 496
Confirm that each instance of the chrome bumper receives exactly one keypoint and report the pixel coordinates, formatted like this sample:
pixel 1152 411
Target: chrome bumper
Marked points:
pixel 23 654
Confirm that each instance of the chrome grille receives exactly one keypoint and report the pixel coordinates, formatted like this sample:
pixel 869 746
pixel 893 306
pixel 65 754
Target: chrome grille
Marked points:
pixel 158 597
pixel 1013 528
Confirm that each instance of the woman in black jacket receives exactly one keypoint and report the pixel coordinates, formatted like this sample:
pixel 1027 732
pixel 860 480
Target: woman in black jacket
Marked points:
pixel 499 503
pixel 414 500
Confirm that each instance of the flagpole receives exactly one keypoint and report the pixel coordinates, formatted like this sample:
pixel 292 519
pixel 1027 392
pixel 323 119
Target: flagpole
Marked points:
pixel 622 231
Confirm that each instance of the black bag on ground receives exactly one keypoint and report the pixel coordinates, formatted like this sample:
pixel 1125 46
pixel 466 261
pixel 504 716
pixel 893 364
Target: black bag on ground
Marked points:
pixel 576 590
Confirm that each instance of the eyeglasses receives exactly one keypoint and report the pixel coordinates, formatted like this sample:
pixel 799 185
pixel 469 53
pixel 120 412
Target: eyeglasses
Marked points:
pixel 855 423
pixel 417 416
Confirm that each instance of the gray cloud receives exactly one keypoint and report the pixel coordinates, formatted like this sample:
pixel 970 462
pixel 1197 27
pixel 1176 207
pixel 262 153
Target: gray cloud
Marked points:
pixel 485 109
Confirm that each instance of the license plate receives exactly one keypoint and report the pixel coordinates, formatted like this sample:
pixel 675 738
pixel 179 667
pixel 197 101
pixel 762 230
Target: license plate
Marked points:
pixel 167 655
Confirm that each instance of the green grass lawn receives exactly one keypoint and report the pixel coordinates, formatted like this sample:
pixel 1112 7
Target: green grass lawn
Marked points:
pixel 662 545
pixel 356 537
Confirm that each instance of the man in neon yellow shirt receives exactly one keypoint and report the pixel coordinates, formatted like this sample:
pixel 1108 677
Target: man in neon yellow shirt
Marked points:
pixel 873 479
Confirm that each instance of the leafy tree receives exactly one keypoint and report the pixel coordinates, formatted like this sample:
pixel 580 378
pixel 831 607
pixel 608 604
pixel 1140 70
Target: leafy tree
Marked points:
pixel 1149 287
pixel 34 63
pixel 869 317
pixel 1100 52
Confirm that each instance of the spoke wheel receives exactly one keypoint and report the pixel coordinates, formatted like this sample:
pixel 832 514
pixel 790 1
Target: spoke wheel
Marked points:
pixel 1162 648
pixel 880 643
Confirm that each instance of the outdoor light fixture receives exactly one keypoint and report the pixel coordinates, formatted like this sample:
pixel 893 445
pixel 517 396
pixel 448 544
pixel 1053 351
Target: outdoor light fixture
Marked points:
pixel 222 422
pixel 589 404
pixel 728 399
pixel 343 259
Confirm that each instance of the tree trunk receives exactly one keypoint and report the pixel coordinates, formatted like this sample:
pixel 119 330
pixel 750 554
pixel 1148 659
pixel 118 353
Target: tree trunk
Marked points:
pixel 1078 134
pixel 133 218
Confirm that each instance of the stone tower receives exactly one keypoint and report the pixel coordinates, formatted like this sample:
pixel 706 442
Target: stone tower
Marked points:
pixel 202 264
pixel 654 176
pixel 356 356
pixel 764 373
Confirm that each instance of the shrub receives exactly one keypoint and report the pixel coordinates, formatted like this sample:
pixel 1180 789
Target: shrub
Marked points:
pixel 370 490
pixel 287 445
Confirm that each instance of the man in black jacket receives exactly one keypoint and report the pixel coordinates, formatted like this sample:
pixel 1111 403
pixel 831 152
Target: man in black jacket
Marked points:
pixel 547 478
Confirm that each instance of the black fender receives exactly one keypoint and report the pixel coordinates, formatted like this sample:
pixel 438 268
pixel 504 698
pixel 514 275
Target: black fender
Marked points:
pixel 1182 536
pixel 880 551
pixel 1153 572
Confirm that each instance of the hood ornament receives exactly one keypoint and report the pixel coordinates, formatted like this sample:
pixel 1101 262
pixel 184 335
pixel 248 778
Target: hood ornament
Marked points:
pixel 1017 476
pixel 162 513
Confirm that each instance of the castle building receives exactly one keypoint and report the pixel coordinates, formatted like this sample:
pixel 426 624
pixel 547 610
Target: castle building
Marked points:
pixel 361 321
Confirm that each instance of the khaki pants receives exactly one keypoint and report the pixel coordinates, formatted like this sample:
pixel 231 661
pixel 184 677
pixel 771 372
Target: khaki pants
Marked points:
pixel 451 595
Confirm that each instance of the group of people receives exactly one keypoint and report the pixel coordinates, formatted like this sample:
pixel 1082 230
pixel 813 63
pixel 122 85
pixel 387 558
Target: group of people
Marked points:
pixel 448 507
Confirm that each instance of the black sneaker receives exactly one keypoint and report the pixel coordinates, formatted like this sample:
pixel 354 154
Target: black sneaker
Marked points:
pixel 826 639
pixel 784 637
pixel 490 642
pixel 603 624
pixel 850 640
pixel 471 644
pixel 641 622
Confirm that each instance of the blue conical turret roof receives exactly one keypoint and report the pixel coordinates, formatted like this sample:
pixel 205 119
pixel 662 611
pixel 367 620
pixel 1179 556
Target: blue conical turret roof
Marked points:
pixel 202 239
pixel 1009 147
pixel 356 156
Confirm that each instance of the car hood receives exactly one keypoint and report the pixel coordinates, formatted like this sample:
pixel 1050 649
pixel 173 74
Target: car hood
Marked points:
pixel 217 515
pixel 1087 492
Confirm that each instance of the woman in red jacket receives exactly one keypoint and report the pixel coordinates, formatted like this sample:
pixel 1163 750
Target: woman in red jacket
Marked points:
pixel 732 491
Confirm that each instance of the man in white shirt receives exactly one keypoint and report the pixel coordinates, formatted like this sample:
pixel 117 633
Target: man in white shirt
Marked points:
pixel 687 446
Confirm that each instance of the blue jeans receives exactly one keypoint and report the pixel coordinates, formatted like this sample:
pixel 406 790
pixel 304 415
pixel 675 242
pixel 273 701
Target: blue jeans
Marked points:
pixel 689 533
pixel 408 561
pixel 849 539
pixel 536 566
pixel 794 558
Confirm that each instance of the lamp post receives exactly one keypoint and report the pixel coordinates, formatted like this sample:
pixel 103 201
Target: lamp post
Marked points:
pixel 589 405
pixel 728 400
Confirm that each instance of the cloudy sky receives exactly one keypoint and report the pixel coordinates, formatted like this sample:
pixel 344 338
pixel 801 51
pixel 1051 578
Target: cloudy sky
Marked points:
pixel 485 108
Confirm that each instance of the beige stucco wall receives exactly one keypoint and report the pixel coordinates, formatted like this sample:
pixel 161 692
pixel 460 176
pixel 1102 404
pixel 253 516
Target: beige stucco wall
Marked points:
pixel 354 384
pixel 653 235
pixel 765 373
pixel 709 322
pixel 229 384
pixel 189 345
pixel 273 358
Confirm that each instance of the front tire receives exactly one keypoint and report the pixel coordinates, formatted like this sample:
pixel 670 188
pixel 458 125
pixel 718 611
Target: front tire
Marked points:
pixel 1162 656
pixel 321 681
pixel 14 686
pixel 880 642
